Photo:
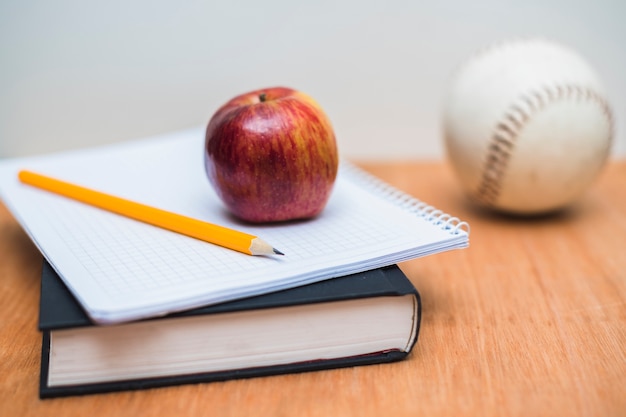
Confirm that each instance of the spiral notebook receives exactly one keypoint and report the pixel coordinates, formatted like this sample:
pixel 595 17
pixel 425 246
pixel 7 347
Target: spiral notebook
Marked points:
pixel 120 269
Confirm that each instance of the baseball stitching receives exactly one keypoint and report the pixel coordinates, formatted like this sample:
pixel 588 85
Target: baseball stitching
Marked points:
pixel 507 130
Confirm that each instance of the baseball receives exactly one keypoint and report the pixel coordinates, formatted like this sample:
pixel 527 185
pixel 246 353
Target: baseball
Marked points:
pixel 527 126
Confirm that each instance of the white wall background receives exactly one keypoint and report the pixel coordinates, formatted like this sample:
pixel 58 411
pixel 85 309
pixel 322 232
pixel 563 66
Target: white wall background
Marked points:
pixel 77 73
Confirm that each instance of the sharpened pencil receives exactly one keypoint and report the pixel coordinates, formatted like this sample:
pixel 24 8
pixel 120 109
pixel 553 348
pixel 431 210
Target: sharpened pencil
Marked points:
pixel 208 232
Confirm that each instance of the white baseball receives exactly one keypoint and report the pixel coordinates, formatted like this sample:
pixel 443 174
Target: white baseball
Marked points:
pixel 527 126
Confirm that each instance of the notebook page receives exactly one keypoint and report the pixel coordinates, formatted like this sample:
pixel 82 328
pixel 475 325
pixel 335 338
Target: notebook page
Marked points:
pixel 121 269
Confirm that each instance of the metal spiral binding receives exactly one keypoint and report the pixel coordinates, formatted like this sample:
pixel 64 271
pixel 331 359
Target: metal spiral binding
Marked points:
pixel 405 201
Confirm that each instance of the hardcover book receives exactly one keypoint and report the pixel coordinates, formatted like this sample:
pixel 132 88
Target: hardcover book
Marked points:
pixel 364 318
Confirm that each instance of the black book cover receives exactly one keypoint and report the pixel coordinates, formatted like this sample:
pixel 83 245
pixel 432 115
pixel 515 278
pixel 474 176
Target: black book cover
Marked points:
pixel 60 310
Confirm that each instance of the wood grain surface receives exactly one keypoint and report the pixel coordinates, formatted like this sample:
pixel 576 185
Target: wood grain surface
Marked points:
pixel 529 321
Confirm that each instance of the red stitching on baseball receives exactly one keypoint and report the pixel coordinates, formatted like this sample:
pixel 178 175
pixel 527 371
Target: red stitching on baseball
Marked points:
pixel 507 130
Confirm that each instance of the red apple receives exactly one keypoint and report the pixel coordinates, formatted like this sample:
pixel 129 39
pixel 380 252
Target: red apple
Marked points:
pixel 271 155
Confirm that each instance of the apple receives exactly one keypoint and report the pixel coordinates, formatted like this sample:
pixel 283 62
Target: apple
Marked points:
pixel 271 155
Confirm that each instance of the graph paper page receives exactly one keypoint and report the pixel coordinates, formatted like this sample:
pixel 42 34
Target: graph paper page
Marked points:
pixel 120 269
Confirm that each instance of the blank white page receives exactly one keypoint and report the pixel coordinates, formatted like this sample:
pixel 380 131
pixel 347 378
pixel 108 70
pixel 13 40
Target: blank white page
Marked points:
pixel 120 269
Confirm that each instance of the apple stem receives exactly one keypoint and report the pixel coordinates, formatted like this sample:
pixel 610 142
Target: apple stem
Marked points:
pixel 262 97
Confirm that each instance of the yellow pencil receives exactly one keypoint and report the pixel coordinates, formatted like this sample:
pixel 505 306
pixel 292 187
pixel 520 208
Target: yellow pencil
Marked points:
pixel 212 233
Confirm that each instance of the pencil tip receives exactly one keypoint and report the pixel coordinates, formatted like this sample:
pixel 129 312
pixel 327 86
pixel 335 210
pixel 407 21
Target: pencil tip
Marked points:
pixel 261 247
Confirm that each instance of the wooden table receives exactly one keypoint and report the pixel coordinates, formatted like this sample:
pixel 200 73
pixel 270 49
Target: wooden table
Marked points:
pixel 529 321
